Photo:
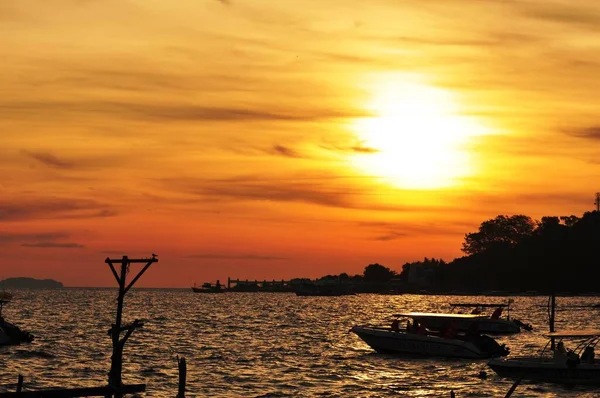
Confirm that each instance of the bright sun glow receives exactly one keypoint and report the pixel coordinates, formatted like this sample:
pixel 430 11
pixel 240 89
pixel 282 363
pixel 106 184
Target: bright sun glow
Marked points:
pixel 417 139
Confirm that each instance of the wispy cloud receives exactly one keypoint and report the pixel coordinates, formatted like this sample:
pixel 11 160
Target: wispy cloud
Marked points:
pixel 236 257
pixel 568 13
pixel 390 236
pixel 324 189
pixel 50 160
pixel 20 237
pixel 167 112
pixel 50 207
pixel 349 148
pixel 256 188
pixel 54 245
pixel 401 229
pixel 592 133
pixel 285 151
pixel 40 240
pixel 363 149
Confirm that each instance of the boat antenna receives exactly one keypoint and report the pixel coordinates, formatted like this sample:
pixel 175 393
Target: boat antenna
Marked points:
pixel 551 315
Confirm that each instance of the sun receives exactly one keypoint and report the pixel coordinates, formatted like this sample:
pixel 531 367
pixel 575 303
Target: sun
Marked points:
pixel 417 138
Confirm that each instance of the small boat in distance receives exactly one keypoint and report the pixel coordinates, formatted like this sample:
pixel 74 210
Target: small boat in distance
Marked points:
pixel 208 287
pixel 487 324
pixel 423 342
pixel 562 366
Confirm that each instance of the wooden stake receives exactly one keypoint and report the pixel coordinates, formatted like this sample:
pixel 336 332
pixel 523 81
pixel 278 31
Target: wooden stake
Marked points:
pixel 182 376
pixel 513 388
pixel 20 384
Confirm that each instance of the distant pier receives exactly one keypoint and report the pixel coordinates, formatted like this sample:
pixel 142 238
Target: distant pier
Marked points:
pixel 241 285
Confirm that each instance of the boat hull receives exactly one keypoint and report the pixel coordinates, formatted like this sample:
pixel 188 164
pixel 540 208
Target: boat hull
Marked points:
pixel 388 341
pixel 546 370
pixel 12 335
pixel 484 325
pixel 4 339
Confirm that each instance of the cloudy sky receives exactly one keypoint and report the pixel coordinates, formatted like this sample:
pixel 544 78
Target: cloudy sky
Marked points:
pixel 278 139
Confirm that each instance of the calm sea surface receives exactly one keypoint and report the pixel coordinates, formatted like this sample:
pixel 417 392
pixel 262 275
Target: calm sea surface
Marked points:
pixel 259 344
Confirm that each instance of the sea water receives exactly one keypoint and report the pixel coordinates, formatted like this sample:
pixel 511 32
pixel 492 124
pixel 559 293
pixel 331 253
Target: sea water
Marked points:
pixel 261 344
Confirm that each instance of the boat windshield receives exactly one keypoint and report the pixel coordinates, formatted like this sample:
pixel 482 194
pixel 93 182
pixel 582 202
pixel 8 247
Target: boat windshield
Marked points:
pixel 440 315
pixel 574 334
pixel 581 339
pixel 486 305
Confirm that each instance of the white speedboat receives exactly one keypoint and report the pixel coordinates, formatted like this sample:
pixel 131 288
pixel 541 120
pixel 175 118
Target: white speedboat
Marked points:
pixel 576 366
pixel 490 324
pixel 386 340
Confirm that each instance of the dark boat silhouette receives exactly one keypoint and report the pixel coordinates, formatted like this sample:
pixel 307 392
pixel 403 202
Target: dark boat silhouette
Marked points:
pixel 208 287
pixel 11 334
pixel 556 363
pixel 427 343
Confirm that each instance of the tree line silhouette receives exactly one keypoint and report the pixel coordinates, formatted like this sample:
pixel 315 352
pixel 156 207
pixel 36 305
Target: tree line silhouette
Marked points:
pixel 511 254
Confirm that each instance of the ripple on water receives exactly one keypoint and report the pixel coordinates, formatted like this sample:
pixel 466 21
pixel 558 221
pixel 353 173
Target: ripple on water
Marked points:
pixel 257 344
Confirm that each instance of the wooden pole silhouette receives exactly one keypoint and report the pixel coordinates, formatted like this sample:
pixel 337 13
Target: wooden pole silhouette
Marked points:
pixel 513 387
pixel 552 317
pixel 115 383
pixel 116 360
pixel 20 383
pixel 182 377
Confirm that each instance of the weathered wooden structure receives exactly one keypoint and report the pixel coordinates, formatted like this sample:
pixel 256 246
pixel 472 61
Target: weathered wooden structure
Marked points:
pixel 182 377
pixel 118 343
pixel 115 387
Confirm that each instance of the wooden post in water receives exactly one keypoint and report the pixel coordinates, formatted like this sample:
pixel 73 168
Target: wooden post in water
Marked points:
pixel 513 387
pixel 182 377
pixel 116 360
pixel 20 383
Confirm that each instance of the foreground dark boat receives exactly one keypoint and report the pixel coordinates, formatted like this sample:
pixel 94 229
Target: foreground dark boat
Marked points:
pixel 386 340
pixel 564 367
pixel 463 322
pixel 11 334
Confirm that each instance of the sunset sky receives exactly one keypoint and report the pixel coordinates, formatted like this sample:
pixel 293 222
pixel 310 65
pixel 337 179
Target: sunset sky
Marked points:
pixel 279 139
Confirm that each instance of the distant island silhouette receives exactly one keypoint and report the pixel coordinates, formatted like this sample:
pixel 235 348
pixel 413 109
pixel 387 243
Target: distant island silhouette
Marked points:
pixel 29 283
pixel 507 255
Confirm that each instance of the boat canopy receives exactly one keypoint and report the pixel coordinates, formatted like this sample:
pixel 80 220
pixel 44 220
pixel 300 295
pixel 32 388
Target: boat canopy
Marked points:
pixel 439 315
pixel 575 333
pixel 487 305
